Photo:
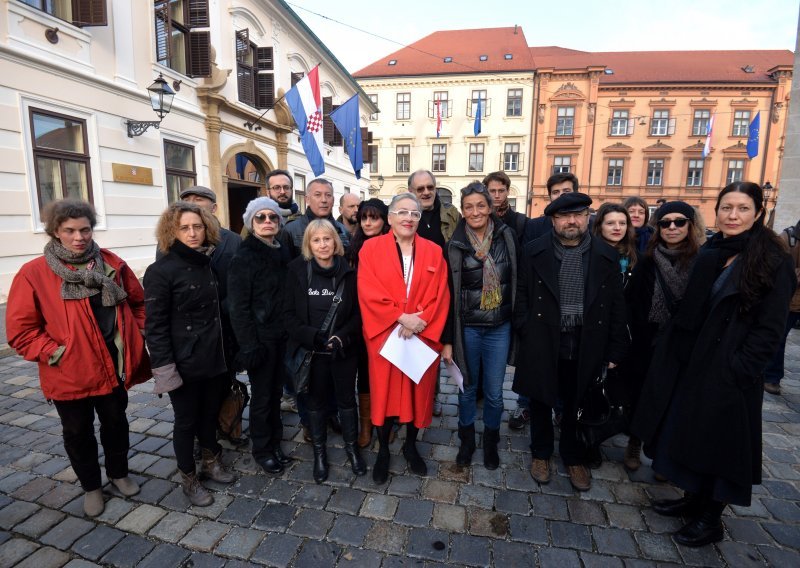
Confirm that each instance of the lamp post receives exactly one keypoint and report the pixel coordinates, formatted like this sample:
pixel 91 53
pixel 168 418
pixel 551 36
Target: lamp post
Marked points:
pixel 161 97
pixel 768 191
pixel 374 190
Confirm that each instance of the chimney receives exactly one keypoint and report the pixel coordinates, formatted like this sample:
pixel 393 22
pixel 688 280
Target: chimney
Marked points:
pixel 515 29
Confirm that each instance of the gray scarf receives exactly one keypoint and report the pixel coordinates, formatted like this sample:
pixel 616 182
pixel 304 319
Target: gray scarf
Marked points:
pixel 675 279
pixel 82 283
pixel 571 283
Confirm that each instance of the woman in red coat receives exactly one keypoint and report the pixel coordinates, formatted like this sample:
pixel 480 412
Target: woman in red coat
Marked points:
pixel 79 312
pixel 402 279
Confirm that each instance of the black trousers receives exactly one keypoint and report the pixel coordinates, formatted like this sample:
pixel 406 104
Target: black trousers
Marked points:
pixel 331 378
pixel 196 407
pixel 77 423
pixel 362 381
pixel 266 386
pixel 572 451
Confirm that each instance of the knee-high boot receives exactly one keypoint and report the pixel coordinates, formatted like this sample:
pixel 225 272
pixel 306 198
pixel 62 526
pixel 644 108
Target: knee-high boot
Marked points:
pixel 319 438
pixel 706 528
pixel 349 421
pixel 415 462
pixel 380 471
pixel 365 436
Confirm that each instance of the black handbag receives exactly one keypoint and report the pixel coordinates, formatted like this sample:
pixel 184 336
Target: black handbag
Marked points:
pixel 602 414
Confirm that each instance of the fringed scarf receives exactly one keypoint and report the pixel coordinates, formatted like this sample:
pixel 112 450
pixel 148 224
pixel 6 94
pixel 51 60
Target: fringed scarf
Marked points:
pixel 82 283
pixel 491 294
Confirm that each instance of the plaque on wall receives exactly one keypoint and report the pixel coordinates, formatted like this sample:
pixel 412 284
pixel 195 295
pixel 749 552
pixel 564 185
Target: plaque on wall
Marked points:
pixel 132 174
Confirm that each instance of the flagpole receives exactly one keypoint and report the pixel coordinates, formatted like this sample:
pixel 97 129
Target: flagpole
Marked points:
pixel 251 125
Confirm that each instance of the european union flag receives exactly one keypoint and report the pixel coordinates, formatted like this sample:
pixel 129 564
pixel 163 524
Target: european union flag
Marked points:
pixel 752 138
pixel 348 123
pixel 476 128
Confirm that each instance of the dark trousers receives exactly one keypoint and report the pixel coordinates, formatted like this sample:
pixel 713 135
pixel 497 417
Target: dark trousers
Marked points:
pixel 77 423
pixel 266 383
pixel 196 407
pixel 362 381
pixel 572 451
pixel 774 371
pixel 331 379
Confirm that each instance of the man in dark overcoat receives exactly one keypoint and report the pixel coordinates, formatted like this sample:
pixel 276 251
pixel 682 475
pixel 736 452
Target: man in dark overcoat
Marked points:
pixel 570 315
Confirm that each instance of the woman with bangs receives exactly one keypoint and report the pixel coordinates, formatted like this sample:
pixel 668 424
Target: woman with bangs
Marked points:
pixel 612 223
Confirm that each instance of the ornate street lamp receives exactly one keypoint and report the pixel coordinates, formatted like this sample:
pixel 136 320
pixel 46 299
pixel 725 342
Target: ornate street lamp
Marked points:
pixel 161 96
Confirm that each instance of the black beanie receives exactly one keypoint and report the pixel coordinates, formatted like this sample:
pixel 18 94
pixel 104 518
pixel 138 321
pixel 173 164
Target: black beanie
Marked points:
pixel 675 207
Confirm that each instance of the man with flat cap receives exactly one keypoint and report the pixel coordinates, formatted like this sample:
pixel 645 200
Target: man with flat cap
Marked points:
pixel 570 315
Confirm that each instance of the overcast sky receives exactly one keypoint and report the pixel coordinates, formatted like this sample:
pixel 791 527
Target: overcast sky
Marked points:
pixel 589 25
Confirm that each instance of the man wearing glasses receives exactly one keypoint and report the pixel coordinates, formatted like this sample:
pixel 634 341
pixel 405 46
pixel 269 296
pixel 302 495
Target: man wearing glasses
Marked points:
pixel 570 314
pixel 280 188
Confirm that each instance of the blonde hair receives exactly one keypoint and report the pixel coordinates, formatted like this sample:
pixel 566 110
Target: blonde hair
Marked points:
pixel 321 225
pixel 170 220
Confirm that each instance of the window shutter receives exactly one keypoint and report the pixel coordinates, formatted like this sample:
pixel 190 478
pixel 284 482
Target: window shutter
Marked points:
pixel 198 14
pixel 89 13
pixel 265 85
pixel 337 136
pixel 296 77
pixel 264 60
pixel 327 123
pixel 671 128
pixel 163 25
pixel 244 82
pixel 199 54
pixel 631 125
pixel 432 109
pixel 366 140
pixel 242 45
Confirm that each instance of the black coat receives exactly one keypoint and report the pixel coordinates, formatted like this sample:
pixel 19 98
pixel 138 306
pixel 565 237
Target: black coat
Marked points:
pixel 537 318
pixel 182 314
pixel 721 390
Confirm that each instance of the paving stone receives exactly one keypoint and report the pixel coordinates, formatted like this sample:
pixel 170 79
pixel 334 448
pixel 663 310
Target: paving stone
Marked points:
pixel 280 491
pixel 781 489
pixel 15 513
pixel 240 543
pixel 204 536
pixel 487 523
pixel 521 480
pixel 785 535
pixel 313 496
pixel 164 468
pixel 276 550
pixel 141 519
pixel 706 556
pixel 34 489
pixel 97 542
pixel 403 562
pixel 164 555
pixel 440 491
pixel 591 560
pixel 586 513
pixel 386 537
pixel 787 511
pixel 38 523
pixel 241 511
pixel 558 557
pixel 14 550
pixel 248 486
pixel 659 524
pixel 472 495
pixel 513 554
pixel 488 477
pixel 115 509
pixel 740 555
pixel 657 546
pixel 450 518
pixel 314 554
pixel 404 486
pixel 357 557
pixel 275 517
pixel 528 529
pixel 205 560
pixel 46 557
pixel 221 502
pixel 65 533
pixel 128 552
pixel 467 550
pixel 346 500
pixel 512 502
pixel 426 543
pixel 414 512
pixel 569 535
pixel 780 556
pixel 173 526
pixel 349 530
pixel 154 490
pixel 624 516
pixel 60 495
pixel 312 524
pixel 381 507
pixel 614 541
pixel 746 531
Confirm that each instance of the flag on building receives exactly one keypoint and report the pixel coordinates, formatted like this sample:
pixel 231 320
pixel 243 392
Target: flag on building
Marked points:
pixel 476 128
pixel 347 121
pixel 438 118
pixel 305 102
pixel 707 147
pixel 752 138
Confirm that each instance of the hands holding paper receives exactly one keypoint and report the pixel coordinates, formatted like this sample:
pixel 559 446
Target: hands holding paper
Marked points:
pixel 411 324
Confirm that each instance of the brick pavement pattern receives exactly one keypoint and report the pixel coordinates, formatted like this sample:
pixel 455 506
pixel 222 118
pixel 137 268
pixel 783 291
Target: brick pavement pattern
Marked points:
pixel 454 516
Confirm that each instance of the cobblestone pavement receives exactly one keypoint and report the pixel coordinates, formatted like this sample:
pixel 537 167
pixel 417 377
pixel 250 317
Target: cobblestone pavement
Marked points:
pixel 470 517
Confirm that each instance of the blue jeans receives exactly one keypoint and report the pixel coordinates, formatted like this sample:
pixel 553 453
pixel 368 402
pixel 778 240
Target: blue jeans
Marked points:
pixel 774 371
pixel 487 346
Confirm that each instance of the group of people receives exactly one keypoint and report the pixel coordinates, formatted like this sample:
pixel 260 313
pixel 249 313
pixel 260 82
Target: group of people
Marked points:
pixel 306 305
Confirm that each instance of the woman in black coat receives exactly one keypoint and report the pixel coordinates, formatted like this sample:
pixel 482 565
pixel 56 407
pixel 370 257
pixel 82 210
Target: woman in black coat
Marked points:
pixel 256 276
pixel 700 410
pixel 184 337
pixel 311 289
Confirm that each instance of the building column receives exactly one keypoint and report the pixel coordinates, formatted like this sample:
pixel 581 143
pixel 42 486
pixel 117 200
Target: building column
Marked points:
pixel 215 166
pixel 787 209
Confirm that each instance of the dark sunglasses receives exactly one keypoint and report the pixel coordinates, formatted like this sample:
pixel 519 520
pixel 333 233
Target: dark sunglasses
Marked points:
pixel 666 223
pixel 428 187
pixel 262 218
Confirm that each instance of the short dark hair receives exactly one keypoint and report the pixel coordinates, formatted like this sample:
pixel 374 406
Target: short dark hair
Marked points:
pixel 279 173
pixel 560 178
pixel 636 200
pixel 56 212
pixel 498 176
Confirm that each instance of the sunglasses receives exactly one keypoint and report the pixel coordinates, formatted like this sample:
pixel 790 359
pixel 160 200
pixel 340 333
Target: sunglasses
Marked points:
pixel 667 223
pixel 263 217
pixel 470 190
pixel 428 187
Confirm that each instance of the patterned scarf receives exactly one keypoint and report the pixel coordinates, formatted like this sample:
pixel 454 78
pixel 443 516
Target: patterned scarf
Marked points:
pixel 571 283
pixel 675 279
pixel 491 295
pixel 82 283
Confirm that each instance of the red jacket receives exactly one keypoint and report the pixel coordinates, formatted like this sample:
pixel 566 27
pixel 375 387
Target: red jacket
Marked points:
pixel 38 321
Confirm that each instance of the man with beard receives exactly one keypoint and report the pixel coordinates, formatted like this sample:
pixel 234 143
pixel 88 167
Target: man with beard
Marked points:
pixel 348 212
pixel 280 189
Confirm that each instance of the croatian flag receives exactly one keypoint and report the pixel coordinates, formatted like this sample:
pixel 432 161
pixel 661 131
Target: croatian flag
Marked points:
pixel 707 147
pixel 438 118
pixel 305 102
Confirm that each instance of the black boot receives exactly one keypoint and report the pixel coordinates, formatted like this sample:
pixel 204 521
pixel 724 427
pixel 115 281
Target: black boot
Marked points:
pixel 415 462
pixel 281 458
pixel 687 506
pixel 349 419
pixel 705 529
pixel 467 436
pixel 380 471
pixel 490 438
pixel 319 437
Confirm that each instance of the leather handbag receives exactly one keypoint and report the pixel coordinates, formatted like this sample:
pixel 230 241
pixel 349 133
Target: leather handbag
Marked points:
pixel 601 414
pixel 230 413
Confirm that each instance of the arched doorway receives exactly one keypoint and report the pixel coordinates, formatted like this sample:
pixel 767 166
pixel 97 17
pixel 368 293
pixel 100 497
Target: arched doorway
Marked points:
pixel 445 195
pixel 245 182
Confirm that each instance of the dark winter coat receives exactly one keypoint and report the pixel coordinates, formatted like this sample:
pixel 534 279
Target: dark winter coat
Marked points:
pixel 537 318
pixel 520 224
pixel 294 231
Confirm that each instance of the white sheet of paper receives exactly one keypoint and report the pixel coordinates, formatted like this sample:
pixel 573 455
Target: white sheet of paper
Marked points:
pixel 455 373
pixel 411 356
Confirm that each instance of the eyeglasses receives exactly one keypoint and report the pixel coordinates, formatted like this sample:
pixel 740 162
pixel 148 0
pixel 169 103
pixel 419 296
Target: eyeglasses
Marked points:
pixel 667 223
pixel 406 214
pixel 262 218
pixel 286 188
pixel 428 187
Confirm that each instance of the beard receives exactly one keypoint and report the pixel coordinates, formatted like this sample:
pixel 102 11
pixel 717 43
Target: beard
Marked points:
pixel 570 232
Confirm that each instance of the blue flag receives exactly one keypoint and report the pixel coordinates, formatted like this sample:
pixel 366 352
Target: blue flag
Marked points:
pixel 476 128
pixel 347 122
pixel 752 139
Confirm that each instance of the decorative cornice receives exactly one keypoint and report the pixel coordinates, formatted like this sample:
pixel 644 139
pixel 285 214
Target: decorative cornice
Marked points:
pixel 618 148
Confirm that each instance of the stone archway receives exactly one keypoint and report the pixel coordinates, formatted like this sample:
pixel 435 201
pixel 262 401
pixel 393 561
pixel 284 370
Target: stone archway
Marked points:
pixel 243 179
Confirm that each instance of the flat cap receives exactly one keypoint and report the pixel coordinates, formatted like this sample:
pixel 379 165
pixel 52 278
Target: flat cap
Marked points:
pixel 568 203
pixel 200 190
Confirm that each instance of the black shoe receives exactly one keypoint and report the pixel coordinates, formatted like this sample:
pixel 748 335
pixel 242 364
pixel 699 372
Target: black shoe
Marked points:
pixel 415 462
pixel 270 465
pixel 491 460
pixel 349 419
pixel 380 471
pixel 687 506
pixel 282 458
pixel 467 436
pixel 706 529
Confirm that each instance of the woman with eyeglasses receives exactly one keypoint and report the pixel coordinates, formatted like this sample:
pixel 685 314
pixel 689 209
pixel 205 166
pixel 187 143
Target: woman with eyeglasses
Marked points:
pixel 402 289
pixel 613 224
pixel 653 294
pixel 373 220
pixel 319 281
pixel 256 277
pixel 482 257
pixel 639 213
pixel 700 411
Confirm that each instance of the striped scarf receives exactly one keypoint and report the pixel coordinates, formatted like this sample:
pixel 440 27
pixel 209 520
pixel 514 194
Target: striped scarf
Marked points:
pixel 571 283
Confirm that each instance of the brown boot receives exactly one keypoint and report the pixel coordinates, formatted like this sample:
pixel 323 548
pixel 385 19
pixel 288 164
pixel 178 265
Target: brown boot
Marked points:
pixel 540 470
pixel 197 494
pixel 632 460
pixel 580 477
pixel 365 435
pixel 213 469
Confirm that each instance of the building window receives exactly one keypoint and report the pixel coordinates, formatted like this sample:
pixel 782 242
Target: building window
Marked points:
pixel 439 162
pixel 619 123
pixel 476 157
pixel 660 123
pixel 403 106
pixel 655 172
pixel 694 176
pixel 254 66
pixel 512 203
pixel 444 104
pixel 374 100
pixel 403 153
pixel 511 161
pixel 300 192
pixel 735 171
pixel 562 164
pixel 615 172
pixel 373 162
pixel 741 123
pixel 179 44
pixel 565 123
pixel 180 168
pixel 473 103
pixel 700 122
pixel 60 156
pixel 78 12
pixel 514 103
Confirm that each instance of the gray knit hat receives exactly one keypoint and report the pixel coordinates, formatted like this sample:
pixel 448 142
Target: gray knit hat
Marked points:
pixel 259 204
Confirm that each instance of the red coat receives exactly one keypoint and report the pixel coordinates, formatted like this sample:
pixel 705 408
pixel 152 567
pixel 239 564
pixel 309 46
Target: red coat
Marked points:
pixel 38 321
pixel 382 297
